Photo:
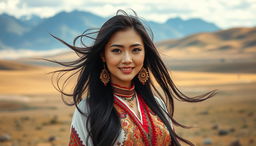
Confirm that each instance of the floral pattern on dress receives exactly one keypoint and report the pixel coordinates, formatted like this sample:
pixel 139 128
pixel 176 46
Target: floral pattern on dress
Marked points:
pixel 133 135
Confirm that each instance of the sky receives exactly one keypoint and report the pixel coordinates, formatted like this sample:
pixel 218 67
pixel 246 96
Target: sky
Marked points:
pixel 224 13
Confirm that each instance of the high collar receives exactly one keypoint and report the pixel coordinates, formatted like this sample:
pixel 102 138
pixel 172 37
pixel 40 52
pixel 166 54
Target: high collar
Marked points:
pixel 123 92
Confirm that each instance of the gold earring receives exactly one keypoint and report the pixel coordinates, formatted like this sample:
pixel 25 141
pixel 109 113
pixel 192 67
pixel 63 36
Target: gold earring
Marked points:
pixel 104 76
pixel 143 75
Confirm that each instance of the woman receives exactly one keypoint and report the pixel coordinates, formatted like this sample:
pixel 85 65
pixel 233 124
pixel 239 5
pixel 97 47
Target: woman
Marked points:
pixel 114 99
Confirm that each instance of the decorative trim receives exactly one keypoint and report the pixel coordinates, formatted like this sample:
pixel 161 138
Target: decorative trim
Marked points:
pixel 75 139
pixel 139 108
pixel 147 127
pixel 123 92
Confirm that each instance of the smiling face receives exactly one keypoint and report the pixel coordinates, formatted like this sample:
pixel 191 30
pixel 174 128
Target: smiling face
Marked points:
pixel 124 56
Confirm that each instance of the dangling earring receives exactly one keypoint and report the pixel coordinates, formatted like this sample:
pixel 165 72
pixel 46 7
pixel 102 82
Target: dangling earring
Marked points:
pixel 104 76
pixel 143 75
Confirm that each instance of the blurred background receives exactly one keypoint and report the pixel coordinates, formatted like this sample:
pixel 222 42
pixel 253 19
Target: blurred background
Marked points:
pixel 206 45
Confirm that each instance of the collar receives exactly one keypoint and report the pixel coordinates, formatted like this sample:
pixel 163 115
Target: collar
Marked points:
pixel 123 92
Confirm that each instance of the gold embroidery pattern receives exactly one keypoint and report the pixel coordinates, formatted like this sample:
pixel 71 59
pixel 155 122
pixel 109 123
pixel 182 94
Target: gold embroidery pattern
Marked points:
pixel 133 135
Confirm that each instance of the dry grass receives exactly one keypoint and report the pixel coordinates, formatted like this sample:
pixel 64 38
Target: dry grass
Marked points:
pixel 32 112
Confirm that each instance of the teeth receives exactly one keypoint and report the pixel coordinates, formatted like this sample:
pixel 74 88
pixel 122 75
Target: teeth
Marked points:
pixel 126 69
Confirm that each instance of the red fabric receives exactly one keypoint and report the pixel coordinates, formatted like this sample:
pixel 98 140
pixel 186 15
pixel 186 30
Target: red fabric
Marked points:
pixel 144 116
pixel 147 127
pixel 75 139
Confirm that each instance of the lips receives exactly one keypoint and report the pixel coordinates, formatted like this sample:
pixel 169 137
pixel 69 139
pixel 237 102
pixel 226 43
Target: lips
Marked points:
pixel 126 70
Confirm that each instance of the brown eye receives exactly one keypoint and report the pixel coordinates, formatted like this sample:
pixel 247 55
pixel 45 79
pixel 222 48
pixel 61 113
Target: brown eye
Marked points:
pixel 136 50
pixel 116 50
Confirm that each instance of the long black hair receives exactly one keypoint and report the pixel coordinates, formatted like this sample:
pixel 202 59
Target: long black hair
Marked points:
pixel 103 120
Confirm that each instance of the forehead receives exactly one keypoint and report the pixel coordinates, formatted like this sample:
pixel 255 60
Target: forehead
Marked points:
pixel 128 36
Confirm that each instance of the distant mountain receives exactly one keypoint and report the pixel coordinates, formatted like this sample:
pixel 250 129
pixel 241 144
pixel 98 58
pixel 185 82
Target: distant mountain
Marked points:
pixel 231 39
pixel 64 25
pixel 227 51
pixel 32 20
pixel 33 33
pixel 191 26
pixel 11 29
pixel 14 65
pixel 229 47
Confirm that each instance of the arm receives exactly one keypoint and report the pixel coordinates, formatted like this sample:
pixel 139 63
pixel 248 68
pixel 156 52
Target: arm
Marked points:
pixel 78 127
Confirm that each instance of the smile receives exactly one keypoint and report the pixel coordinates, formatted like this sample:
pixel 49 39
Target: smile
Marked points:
pixel 126 70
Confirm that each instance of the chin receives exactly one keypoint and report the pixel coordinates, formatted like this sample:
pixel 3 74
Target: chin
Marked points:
pixel 125 80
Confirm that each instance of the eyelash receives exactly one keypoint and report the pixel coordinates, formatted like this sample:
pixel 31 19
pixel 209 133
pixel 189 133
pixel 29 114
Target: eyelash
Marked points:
pixel 134 50
pixel 116 50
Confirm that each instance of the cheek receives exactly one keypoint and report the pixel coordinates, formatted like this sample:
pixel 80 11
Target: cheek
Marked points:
pixel 139 61
pixel 109 58
pixel 111 61
pixel 141 58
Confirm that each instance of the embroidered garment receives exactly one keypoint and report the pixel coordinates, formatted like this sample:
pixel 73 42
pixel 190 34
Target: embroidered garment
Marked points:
pixel 145 130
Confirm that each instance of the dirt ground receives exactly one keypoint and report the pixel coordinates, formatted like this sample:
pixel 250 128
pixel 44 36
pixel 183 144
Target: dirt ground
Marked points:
pixel 33 114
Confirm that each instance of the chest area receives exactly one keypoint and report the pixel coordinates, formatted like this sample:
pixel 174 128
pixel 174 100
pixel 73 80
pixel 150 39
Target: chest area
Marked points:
pixel 143 128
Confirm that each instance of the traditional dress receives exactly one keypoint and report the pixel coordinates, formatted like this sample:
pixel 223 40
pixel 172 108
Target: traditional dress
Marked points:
pixel 147 129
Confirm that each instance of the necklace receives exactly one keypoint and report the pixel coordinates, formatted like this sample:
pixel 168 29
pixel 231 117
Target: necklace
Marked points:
pixel 127 94
pixel 148 138
pixel 129 100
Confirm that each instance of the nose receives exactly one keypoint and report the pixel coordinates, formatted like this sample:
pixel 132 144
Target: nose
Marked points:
pixel 127 58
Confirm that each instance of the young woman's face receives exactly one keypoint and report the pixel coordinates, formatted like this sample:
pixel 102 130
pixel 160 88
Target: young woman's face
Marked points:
pixel 124 56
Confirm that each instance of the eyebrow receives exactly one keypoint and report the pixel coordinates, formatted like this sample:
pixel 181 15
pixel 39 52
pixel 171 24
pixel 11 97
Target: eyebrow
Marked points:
pixel 122 46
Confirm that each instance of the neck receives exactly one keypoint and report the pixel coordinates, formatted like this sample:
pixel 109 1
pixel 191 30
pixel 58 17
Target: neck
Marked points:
pixel 123 92
pixel 123 84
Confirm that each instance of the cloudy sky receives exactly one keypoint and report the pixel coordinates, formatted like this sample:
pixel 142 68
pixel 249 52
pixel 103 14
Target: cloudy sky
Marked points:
pixel 224 13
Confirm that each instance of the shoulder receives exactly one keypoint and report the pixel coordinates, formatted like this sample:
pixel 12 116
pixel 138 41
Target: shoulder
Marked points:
pixel 78 123
pixel 84 108
pixel 83 105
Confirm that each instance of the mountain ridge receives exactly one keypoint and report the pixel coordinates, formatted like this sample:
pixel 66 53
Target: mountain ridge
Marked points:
pixel 67 25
